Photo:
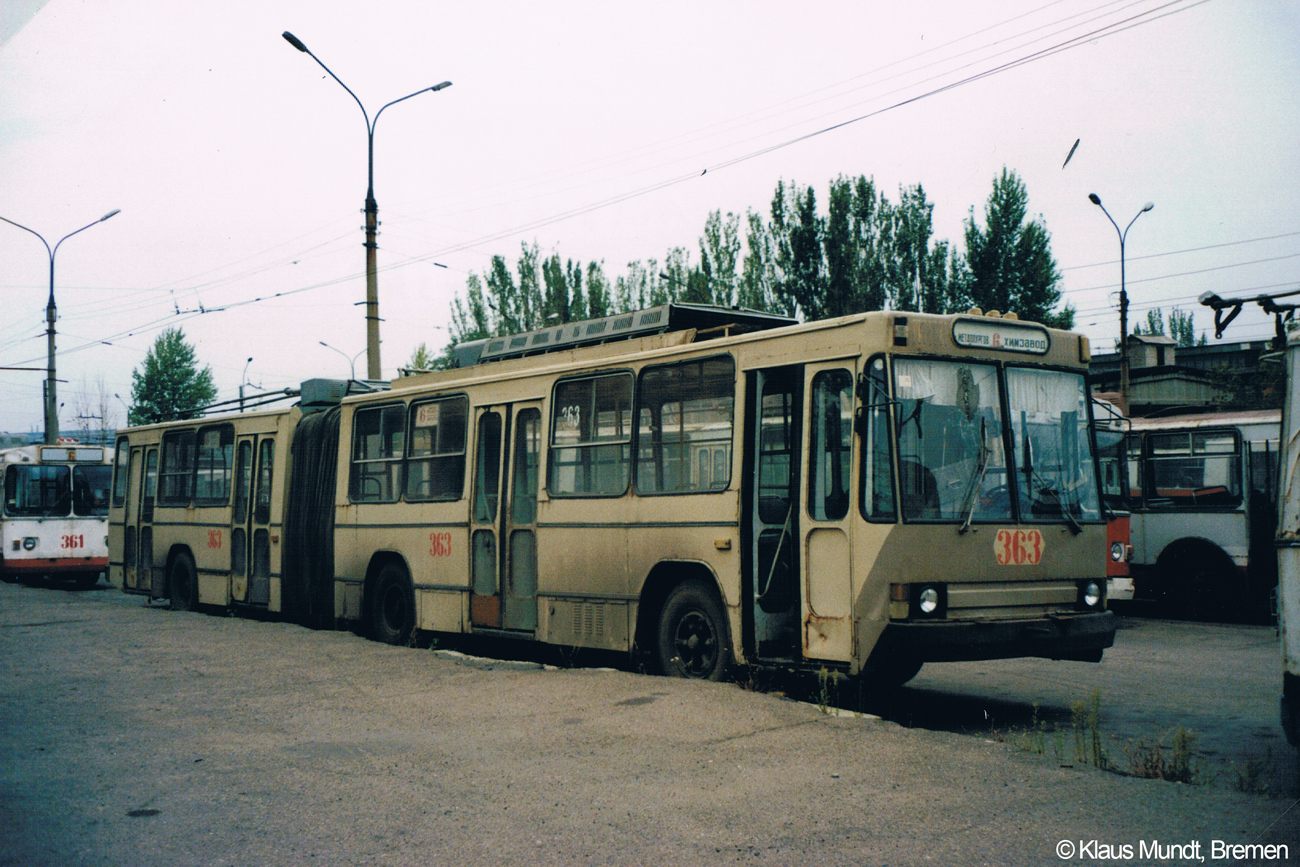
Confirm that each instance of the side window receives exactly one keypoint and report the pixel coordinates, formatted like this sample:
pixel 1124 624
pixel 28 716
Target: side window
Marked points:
pixel 265 475
pixel 121 471
pixel 435 466
pixel 1195 469
pixel 215 455
pixel 377 450
pixel 176 474
pixel 830 449
pixel 876 490
pixel 591 436
pixel 684 410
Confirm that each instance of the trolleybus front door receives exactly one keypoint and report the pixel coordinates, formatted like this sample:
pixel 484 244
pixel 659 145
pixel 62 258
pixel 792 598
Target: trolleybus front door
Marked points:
pixel 775 437
pixel 503 518
pixel 827 612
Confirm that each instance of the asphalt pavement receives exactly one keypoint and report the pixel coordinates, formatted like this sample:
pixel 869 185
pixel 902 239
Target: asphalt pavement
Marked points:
pixel 133 735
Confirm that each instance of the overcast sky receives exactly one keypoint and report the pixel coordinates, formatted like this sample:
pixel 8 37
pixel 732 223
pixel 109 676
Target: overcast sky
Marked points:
pixel 601 131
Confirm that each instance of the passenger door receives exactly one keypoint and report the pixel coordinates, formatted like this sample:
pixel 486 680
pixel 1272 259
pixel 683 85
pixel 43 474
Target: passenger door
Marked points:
pixel 826 567
pixel 503 517
pixel 774 438
pixel 250 518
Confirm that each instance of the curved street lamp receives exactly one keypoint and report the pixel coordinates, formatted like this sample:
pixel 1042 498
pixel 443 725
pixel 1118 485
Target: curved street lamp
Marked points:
pixel 1123 294
pixel 372 210
pixel 351 361
pixel 51 401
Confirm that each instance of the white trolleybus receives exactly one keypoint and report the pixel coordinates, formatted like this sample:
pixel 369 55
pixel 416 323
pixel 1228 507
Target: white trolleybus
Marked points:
pixel 1203 504
pixel 697 486
pixel 55 518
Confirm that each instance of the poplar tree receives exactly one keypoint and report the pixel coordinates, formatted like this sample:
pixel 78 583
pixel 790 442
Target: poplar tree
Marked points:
pixel 1009 260
pixel 169 385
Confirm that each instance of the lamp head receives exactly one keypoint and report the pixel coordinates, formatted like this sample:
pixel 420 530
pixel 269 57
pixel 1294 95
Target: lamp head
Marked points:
pixel 1094 198
pixel 112 213
pixel 293 40
pixel 1148 206
pixel 441 86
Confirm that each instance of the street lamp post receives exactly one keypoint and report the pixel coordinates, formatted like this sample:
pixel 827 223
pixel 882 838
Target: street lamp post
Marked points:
pixel 243 378
pixel 351 361
pixel 1123 294
pixel 371 210
pixel 51 313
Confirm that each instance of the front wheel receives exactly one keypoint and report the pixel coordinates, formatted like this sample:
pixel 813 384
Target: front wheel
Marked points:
pixel 392 606
pixel 693 639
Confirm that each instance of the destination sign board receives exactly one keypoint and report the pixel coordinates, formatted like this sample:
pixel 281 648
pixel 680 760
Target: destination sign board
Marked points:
pixel 1006 335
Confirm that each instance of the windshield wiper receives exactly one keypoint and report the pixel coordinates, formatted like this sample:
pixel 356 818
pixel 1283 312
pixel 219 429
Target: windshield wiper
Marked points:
pixel 1038 492
pixel 970 501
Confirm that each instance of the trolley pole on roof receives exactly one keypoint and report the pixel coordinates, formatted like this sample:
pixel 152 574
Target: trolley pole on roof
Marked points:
pixel 371 210
pixel 51 314
pixel 1123 295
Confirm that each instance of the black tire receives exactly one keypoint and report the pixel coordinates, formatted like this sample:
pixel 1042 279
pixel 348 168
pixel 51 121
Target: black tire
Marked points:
pixel 87 580
pixel 693 640
pixel 1197 585
pixel 183 583
pixel 889 673
pixel 392 606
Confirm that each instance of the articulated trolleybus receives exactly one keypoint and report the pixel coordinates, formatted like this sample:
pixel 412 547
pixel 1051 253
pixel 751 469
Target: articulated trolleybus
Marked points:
pixel 698 486
pixel 55 518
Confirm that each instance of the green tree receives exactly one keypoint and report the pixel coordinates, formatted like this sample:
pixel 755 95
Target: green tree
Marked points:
pixel 719 256
pixel 1155 326
pixel 170 385
pixel 1009 260
pixel 421 358
pixel 1182 327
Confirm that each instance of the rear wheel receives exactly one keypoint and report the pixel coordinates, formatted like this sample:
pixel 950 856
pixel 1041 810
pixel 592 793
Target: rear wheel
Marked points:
pixel 693 638
pixel 183 583
pixel 392 606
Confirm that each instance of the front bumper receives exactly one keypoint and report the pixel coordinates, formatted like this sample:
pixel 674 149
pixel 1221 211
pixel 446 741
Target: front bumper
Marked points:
pixel 1081 636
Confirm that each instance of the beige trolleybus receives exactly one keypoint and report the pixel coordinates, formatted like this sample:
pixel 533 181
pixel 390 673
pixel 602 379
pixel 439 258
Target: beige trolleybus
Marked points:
pixel 55 517
pixel 705 485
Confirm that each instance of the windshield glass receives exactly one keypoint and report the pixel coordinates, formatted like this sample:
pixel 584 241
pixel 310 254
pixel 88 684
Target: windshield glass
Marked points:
pixel 952 464
pixel 1052 449
pixel 90 487
pixel 37 491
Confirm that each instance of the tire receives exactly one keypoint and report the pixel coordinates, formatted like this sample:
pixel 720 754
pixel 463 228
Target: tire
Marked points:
pixel 889 674
pixel 87 580
pixel 392 606
pixel 183 584
pixel 693 641
pixel 1197 585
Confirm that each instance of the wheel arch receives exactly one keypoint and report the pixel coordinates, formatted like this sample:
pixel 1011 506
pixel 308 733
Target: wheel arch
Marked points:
pixel 378 561
pixel 1196 547
pixel 174 553
pixel 666 576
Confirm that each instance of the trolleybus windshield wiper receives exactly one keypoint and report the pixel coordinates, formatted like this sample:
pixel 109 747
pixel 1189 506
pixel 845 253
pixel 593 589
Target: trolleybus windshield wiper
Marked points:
pixel 971 500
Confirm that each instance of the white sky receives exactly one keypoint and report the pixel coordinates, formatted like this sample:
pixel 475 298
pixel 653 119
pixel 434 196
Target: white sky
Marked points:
pixel 239 166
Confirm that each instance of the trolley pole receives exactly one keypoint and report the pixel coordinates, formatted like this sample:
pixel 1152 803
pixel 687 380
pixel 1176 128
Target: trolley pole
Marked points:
pixel 371 210
pixel 51 315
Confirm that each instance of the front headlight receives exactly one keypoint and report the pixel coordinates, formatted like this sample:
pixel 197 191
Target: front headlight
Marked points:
pixel 29 543
pixel 1090 594
pixel 1117 551
pixel 928 600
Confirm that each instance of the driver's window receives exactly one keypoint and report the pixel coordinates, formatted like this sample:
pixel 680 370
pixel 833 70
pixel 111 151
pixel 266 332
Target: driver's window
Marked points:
pixel 951 461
